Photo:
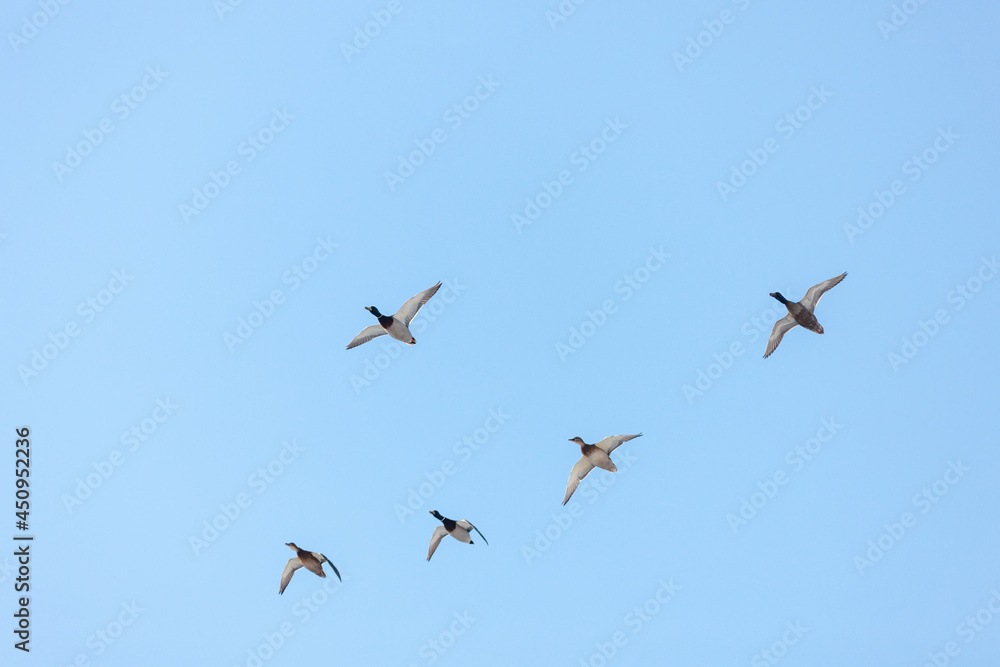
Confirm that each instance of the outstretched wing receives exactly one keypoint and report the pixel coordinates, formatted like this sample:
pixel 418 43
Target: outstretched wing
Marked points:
pixel 410 308
pixel 816 292
pixel 579 471
pixel 611 443
pixel 436 538
pixel 468 526
pixel 374 331
pixel 781 327
pixel 324 559
pixel 286 576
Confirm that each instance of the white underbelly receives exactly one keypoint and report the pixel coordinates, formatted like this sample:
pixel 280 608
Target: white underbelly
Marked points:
pixel 400 332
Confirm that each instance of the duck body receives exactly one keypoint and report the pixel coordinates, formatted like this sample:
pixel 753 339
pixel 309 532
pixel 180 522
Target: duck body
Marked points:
pixel 398 325
pixel 393 327
pixel 312 561
pixel 597 456
pixel 594 456
pixel 460 530
pixel 800 313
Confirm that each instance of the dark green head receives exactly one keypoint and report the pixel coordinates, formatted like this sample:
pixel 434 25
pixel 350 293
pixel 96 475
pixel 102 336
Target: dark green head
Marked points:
pixel 777 295
pixel 373 310
pixel 437 515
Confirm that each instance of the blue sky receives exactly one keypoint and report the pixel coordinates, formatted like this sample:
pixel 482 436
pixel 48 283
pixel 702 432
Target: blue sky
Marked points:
pixel 199 203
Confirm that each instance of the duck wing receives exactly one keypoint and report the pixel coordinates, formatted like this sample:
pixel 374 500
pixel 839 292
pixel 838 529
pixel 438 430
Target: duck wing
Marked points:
pixel 816 292
pixel 374 331
pixel 410 308
pixel 286 575
pixel 323 559
pixel 436 538
pixel 468 526
pixel 579 471
pixel 611 443
pixel 781 327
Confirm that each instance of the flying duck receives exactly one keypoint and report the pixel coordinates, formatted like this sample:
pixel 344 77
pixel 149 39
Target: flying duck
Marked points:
pixel 396 325
pixel 800 312
pixel 460 530
pixel 597 455
pixel 310 560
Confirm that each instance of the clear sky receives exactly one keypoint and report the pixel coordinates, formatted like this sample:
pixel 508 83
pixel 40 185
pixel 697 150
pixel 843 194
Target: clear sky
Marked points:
pixel 199 200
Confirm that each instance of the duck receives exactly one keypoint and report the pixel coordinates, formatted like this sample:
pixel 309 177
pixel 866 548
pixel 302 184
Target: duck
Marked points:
pixel 597 455
pixel 312 561
pixel 460 530
pixel 398 325
pixel 800 312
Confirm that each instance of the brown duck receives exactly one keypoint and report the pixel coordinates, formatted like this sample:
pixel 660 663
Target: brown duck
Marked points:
pixel 800 313
pixel 594 456
pixel 310 560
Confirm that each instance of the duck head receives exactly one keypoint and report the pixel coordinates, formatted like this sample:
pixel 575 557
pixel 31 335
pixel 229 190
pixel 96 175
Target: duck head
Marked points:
pixel 373 310
pixel 437 515
pixel 578 440
pixel 291 545
pixel 777 295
